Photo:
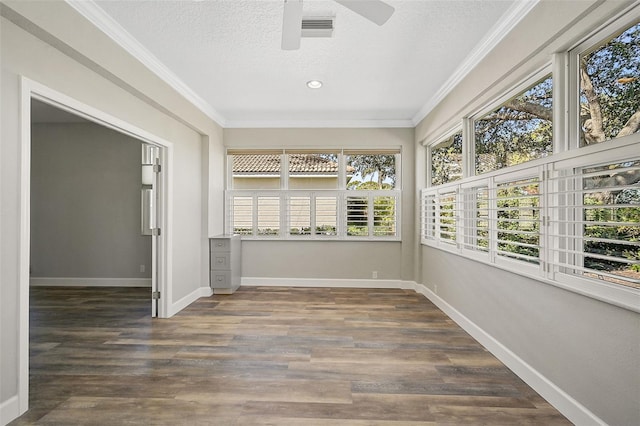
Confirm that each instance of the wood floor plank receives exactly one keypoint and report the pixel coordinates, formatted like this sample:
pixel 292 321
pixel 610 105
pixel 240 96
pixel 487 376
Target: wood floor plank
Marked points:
pixel 265 356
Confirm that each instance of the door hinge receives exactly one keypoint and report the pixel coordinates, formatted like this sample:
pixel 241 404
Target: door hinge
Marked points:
pixel 155 232
pixel 155 295
pixel 157 168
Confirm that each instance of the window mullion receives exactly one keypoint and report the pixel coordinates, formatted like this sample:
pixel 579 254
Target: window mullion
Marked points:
pixel 285 214
pixel 493 220
pixel 342 171
pixel 254 214
pixel 563 82
pixel 468 148
pixel 398 161
pixel 342 214
pixel 429 168
pixel 284 171
pixel 459 217
pixel 370 214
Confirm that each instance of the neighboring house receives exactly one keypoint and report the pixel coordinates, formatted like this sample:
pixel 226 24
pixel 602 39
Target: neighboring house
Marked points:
pixel 306 172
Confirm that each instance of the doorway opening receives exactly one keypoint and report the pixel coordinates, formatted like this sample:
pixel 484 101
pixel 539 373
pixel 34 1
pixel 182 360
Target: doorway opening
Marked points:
pixel 152 266
pixel 92 219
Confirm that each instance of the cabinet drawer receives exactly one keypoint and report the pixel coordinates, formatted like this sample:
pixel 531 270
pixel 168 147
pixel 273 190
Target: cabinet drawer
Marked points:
pixel 220 279
pixel 220 261
pixel 220 244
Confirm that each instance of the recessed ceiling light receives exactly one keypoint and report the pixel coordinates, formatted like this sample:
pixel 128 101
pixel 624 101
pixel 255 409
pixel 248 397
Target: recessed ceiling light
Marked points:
pixel 314 84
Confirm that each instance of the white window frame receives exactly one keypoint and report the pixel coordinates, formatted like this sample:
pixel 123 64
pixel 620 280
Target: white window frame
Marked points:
pixel 341 194
pixel 430 147
pixel 469 225
pixel 624 149
pixel 469 127
pixel 566 154
pixel 550 171
pixel 502 260
pixel 573 56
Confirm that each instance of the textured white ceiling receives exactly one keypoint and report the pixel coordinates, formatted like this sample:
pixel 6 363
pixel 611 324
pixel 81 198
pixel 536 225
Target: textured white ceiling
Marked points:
pixel 228 53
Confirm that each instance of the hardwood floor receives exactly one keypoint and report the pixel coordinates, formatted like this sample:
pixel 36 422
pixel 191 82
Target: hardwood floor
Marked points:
pixel 265 356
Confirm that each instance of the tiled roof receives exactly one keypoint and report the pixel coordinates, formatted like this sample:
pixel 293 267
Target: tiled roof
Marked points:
pixel 270 164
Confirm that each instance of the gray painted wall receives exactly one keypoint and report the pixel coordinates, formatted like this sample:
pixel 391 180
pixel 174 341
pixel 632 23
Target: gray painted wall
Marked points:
pixel 85 203
pixel 325 260
pixel 589 349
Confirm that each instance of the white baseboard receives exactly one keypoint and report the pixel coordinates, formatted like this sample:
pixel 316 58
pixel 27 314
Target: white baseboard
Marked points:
pixel 9 410
pixel 176 307
pixel 89 282
pixel 563 402
pixel 316 282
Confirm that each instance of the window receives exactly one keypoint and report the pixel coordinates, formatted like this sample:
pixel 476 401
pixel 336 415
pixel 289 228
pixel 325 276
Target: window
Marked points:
pixel 446 160
pixel 313 170
pixel 476 220
pixel 611 222
pixel 326 214
pixel 574 220
pixel 598 228
pixel 428 216
pixel 242 208
pixel 314 194
pixel 516 132
pixel 571 218
pixel 447 215
pixel 487 216
pixel 357 215
pixel 610 88
pixel 300 215
pixel 518 219
pixel 256 170
pixel 371 170
pixel 268 215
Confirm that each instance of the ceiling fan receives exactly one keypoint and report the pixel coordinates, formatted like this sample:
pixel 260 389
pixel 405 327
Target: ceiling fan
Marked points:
pixel 376 11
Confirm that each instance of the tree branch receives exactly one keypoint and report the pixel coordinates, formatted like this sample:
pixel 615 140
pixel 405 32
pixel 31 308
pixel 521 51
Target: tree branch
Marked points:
pixel 534 109
pixel 593 129
pixel 631 126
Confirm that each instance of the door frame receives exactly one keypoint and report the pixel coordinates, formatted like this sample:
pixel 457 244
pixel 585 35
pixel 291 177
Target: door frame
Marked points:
pixel 30 89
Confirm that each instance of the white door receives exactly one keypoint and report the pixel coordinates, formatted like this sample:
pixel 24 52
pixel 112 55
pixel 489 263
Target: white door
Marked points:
pixel 151 193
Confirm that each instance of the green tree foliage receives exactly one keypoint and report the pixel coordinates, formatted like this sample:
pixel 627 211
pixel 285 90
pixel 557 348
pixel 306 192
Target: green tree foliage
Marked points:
pixel 612 228
pixel 372 172
pixel 521 130
pixel 610 88
pixel 519 220
pixel 370 169
pixel 518 131
pixel 446 160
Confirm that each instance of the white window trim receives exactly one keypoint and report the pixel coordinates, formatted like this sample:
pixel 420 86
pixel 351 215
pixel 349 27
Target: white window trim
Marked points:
pixel 614 25
pixel 284 194
pixel 514 91
pixel 615 150
pixel 341 222
pixel 429 148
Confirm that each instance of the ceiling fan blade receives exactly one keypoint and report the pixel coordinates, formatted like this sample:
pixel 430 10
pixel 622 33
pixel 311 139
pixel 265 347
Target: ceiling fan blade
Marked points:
pixel 292 24
pixel 376 11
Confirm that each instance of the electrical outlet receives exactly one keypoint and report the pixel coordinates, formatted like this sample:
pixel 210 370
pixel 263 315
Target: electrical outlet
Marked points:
pixel 435 288
pixel 142 268
pixel 374 274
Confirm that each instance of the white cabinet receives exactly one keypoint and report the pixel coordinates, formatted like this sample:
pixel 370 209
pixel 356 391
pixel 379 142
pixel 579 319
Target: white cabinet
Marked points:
pixel 225 263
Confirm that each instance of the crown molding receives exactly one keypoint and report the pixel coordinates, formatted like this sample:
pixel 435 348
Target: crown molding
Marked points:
pixel 105 23
pixel 506 23
pixel 317 124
